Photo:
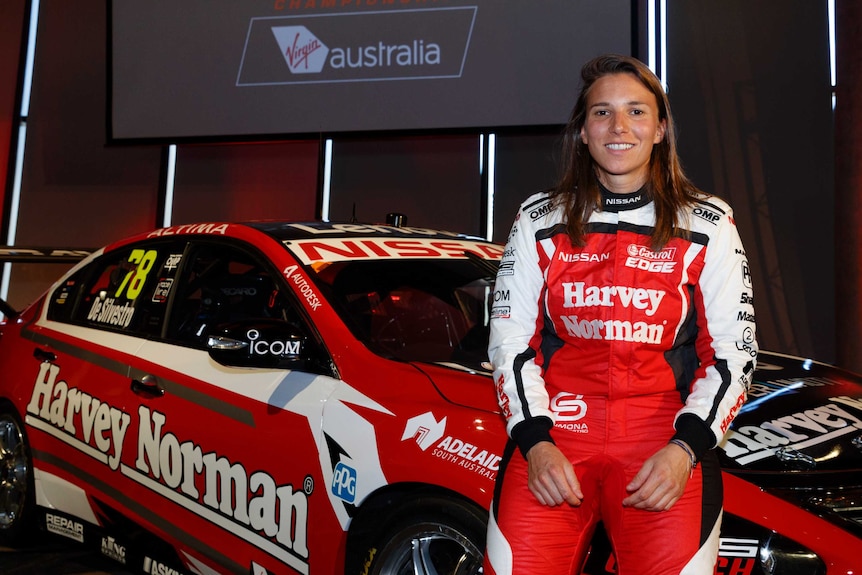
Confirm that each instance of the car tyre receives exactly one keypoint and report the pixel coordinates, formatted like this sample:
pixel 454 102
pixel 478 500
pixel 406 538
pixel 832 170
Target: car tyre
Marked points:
pixel 17 490
pixel 434 536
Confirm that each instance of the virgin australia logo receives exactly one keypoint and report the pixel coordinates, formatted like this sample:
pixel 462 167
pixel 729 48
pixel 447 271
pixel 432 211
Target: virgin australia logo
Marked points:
pixel 302 50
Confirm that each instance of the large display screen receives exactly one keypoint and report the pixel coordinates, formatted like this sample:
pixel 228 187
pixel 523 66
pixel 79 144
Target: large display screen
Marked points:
pixel 238 68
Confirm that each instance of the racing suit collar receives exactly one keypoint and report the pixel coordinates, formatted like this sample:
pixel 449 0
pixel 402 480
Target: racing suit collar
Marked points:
pixel 612 202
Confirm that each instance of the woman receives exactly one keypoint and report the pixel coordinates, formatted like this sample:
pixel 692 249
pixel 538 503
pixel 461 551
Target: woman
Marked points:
pixel 625 350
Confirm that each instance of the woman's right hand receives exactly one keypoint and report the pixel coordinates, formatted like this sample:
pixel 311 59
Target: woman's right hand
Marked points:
pixel 552 478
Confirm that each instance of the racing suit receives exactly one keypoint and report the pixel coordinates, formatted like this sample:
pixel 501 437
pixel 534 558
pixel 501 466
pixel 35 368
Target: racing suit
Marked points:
pixel 610 350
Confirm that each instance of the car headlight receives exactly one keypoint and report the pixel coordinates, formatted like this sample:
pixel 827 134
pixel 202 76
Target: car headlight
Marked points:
pixel 841 506
pixel 845 503
pixel 782 556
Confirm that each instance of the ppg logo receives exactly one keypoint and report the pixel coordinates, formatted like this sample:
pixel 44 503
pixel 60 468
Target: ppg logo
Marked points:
pixel 344 482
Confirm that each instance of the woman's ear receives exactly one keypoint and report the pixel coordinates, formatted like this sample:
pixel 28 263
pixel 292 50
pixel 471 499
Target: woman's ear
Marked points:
pixel 660 132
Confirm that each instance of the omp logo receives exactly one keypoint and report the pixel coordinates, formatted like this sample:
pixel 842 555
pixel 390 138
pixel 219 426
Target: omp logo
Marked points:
pixel 302 50
pixel 540 211
pixel 425 429
pixel 707 215
pixel 173 261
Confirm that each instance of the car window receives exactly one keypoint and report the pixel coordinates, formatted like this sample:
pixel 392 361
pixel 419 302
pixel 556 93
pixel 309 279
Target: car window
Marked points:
pixel 414 310
pixel 223 284
pixel 125 290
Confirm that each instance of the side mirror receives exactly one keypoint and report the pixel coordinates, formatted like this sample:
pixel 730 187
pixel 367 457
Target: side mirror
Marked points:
pixel 269 344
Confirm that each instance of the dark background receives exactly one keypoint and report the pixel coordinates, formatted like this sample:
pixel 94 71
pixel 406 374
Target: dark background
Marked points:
pixel 219 70
pixel 748 80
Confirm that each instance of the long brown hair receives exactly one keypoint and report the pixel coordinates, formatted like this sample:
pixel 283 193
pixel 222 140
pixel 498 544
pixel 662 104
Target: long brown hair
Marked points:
pixel 578 187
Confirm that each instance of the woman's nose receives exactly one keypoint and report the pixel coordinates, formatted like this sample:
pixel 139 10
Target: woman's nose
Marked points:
pixel 619 124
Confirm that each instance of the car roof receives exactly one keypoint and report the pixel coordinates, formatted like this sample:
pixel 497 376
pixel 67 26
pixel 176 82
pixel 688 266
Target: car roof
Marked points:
pixel 285 231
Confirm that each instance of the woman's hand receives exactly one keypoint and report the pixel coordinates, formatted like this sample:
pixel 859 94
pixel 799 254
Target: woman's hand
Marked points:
pixel 551 477
pixel 661 480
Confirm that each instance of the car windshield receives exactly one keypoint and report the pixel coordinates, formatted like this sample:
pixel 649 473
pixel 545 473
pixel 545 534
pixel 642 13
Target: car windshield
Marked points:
pixel 415 310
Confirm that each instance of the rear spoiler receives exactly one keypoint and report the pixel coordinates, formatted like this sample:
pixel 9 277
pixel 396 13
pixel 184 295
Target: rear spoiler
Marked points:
pixel 38 255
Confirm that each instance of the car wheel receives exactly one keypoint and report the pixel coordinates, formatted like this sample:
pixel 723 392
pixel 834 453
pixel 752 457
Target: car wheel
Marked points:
pixel 433 538
pixel 16 480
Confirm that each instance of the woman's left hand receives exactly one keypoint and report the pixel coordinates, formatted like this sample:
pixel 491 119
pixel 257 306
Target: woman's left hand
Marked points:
pixel 660 481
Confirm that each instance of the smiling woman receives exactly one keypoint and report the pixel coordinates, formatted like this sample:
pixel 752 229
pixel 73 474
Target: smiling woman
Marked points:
pixel 625 285
pixel 622 125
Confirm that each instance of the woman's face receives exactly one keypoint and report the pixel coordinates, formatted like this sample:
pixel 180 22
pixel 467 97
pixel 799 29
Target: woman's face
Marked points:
pixel 621 127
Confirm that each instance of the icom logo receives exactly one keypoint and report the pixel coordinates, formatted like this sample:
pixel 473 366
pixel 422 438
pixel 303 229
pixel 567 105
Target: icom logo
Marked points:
pixel 302 50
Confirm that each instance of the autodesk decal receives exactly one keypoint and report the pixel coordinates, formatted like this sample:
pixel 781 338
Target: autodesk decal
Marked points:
pixel 361 47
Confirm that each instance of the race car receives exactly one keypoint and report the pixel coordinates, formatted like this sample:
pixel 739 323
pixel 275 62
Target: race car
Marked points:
pixel 288 397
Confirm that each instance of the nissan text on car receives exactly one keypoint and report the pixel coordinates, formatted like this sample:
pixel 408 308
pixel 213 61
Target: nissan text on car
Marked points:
pixel 315 398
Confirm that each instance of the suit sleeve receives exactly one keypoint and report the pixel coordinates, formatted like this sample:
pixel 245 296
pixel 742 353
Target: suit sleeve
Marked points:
pixel 515 323
pixel 726 343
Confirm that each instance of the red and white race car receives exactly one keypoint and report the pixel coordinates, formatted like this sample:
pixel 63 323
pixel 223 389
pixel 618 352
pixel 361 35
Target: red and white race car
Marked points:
pixel 315 398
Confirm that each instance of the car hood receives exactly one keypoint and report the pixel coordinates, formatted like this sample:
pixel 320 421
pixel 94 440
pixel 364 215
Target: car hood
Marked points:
pixel 801 416
pixel 462 385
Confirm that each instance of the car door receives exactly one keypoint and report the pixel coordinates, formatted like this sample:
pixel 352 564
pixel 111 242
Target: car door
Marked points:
pixel 229 454
pixel 81 407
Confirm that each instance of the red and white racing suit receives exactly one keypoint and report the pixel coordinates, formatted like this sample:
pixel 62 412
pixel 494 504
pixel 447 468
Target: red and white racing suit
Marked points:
pixel 610 350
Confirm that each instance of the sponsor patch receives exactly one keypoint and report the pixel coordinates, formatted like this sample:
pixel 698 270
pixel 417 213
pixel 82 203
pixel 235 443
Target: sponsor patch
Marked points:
pixel 426 431
pixel 707 215
pixel 344 482
pixel 569 409
pixel 250 504
pixel 154 567
pixel 59 525
pixel 374 46
pixel 311 251
pixel 794 432
pixel 746 275
pixel 111 548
